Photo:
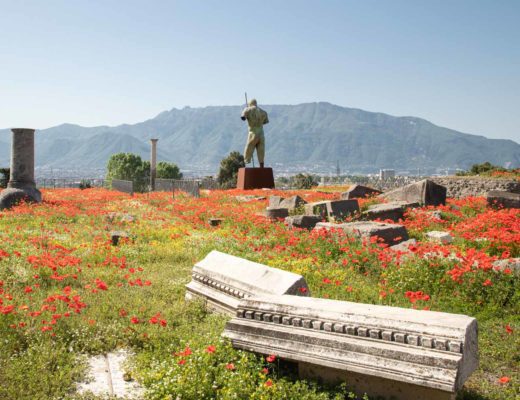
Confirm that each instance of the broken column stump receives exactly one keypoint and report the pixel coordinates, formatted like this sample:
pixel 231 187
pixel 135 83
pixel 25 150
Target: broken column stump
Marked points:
pixel 21 185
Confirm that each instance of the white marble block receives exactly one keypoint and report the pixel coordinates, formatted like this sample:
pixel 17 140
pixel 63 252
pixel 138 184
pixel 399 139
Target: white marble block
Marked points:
pixel 384 351
pixel 223 280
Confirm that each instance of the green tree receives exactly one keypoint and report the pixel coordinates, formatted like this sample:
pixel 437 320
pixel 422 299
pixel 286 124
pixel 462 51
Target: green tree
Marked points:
pixel 129 167
pixel 167 170
pixel 304 181
pixel 227 176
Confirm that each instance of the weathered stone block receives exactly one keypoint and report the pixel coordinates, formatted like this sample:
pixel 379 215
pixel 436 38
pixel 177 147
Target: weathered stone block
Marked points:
pixel 440 237
pixel 359 192
pixel 512 264
pixel 115 236
pixel 384 351
pixel 425 192
pixel 274 201
pixel 389 233
pixel 393 211
pixel 275 213
pixel 404 247
pixel 292 203
pixel 303 221
pixel 214 221
pixel 332 209
pixel 222 280
pixel 498 198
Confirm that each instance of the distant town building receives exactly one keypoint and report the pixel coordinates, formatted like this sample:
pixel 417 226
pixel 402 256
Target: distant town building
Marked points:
pixel 386 173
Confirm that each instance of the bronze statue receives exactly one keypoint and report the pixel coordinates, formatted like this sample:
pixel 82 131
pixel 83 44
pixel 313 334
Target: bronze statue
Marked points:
pixel 256 119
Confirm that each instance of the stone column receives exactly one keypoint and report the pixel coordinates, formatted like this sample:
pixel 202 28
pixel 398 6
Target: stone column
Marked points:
pixel 153 163
pixel 21 185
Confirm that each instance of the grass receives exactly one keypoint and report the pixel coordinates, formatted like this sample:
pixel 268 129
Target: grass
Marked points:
pixel 65 292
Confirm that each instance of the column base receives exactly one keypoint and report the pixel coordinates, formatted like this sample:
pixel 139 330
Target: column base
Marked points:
pixel 12 196
pixel 255 178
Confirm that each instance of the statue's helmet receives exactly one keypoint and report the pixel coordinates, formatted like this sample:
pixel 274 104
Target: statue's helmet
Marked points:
pixel 252 103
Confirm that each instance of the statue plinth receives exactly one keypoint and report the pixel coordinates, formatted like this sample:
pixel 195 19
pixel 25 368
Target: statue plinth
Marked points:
pixel 255 178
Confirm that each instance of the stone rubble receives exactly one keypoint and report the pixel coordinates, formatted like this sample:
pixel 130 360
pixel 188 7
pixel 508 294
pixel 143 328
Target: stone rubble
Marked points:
pixel 439 237
pixel 390 234
pixel 425 192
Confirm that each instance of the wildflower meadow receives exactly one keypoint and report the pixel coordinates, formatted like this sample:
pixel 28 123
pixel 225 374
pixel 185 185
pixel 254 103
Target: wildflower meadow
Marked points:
pixel 66 292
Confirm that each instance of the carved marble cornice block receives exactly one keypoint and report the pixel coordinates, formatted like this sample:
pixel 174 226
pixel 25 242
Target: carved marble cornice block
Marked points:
pixel 422 350
pixel 223 280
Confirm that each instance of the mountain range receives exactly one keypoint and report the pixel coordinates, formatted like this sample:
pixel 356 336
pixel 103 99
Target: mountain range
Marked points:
pixel 298 137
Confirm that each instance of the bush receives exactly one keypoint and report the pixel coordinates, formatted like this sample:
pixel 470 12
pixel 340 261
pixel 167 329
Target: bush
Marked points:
pixel 4 177
pixel 85 184
pixel 304 181
pixel 229 166
pixel 485 169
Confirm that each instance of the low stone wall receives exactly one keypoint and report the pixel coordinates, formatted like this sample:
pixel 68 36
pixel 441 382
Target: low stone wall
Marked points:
pixel 461 186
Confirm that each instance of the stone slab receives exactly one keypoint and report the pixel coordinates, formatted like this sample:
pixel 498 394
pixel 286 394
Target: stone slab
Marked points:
pixel 432 350
pixel 115 236
pixel 255 178
pixel 393 211
pixel 303 221
pixel 513 264
pixel 389 233
pixel 292 203
pixel 332 208
pixel 276 213
pixel 274 201
pixel 214 221
pixel 222 280
pixel 425 192
pixel 107 377
pixel 359 192
pixel 439 237
pixel 404 247
pixel 502 199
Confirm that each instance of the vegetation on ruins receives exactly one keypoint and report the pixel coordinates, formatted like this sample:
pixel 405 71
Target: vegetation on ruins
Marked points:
pixel 304 181
pixel 66 292
pixel 131 167
pixel 229 166
pixel 490 170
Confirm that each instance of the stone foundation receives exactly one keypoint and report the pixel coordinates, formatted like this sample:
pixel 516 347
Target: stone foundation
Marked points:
pixel 462 186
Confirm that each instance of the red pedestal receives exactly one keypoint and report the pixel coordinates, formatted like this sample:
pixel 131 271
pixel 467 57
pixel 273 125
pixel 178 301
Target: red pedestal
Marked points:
pixel 255 178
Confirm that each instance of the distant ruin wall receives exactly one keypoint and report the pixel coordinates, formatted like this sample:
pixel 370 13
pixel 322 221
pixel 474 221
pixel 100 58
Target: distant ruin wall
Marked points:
pixel 461 186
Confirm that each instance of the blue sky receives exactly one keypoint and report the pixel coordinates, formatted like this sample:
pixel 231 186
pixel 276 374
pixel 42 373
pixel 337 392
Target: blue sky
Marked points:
pixel 104 62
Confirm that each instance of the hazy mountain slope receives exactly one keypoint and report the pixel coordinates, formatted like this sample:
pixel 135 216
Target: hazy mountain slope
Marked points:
pixel 94 151
pixel 5 149
pixel 304 134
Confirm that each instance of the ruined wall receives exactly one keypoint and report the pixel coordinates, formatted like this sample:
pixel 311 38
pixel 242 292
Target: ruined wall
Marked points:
pixel 462 186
